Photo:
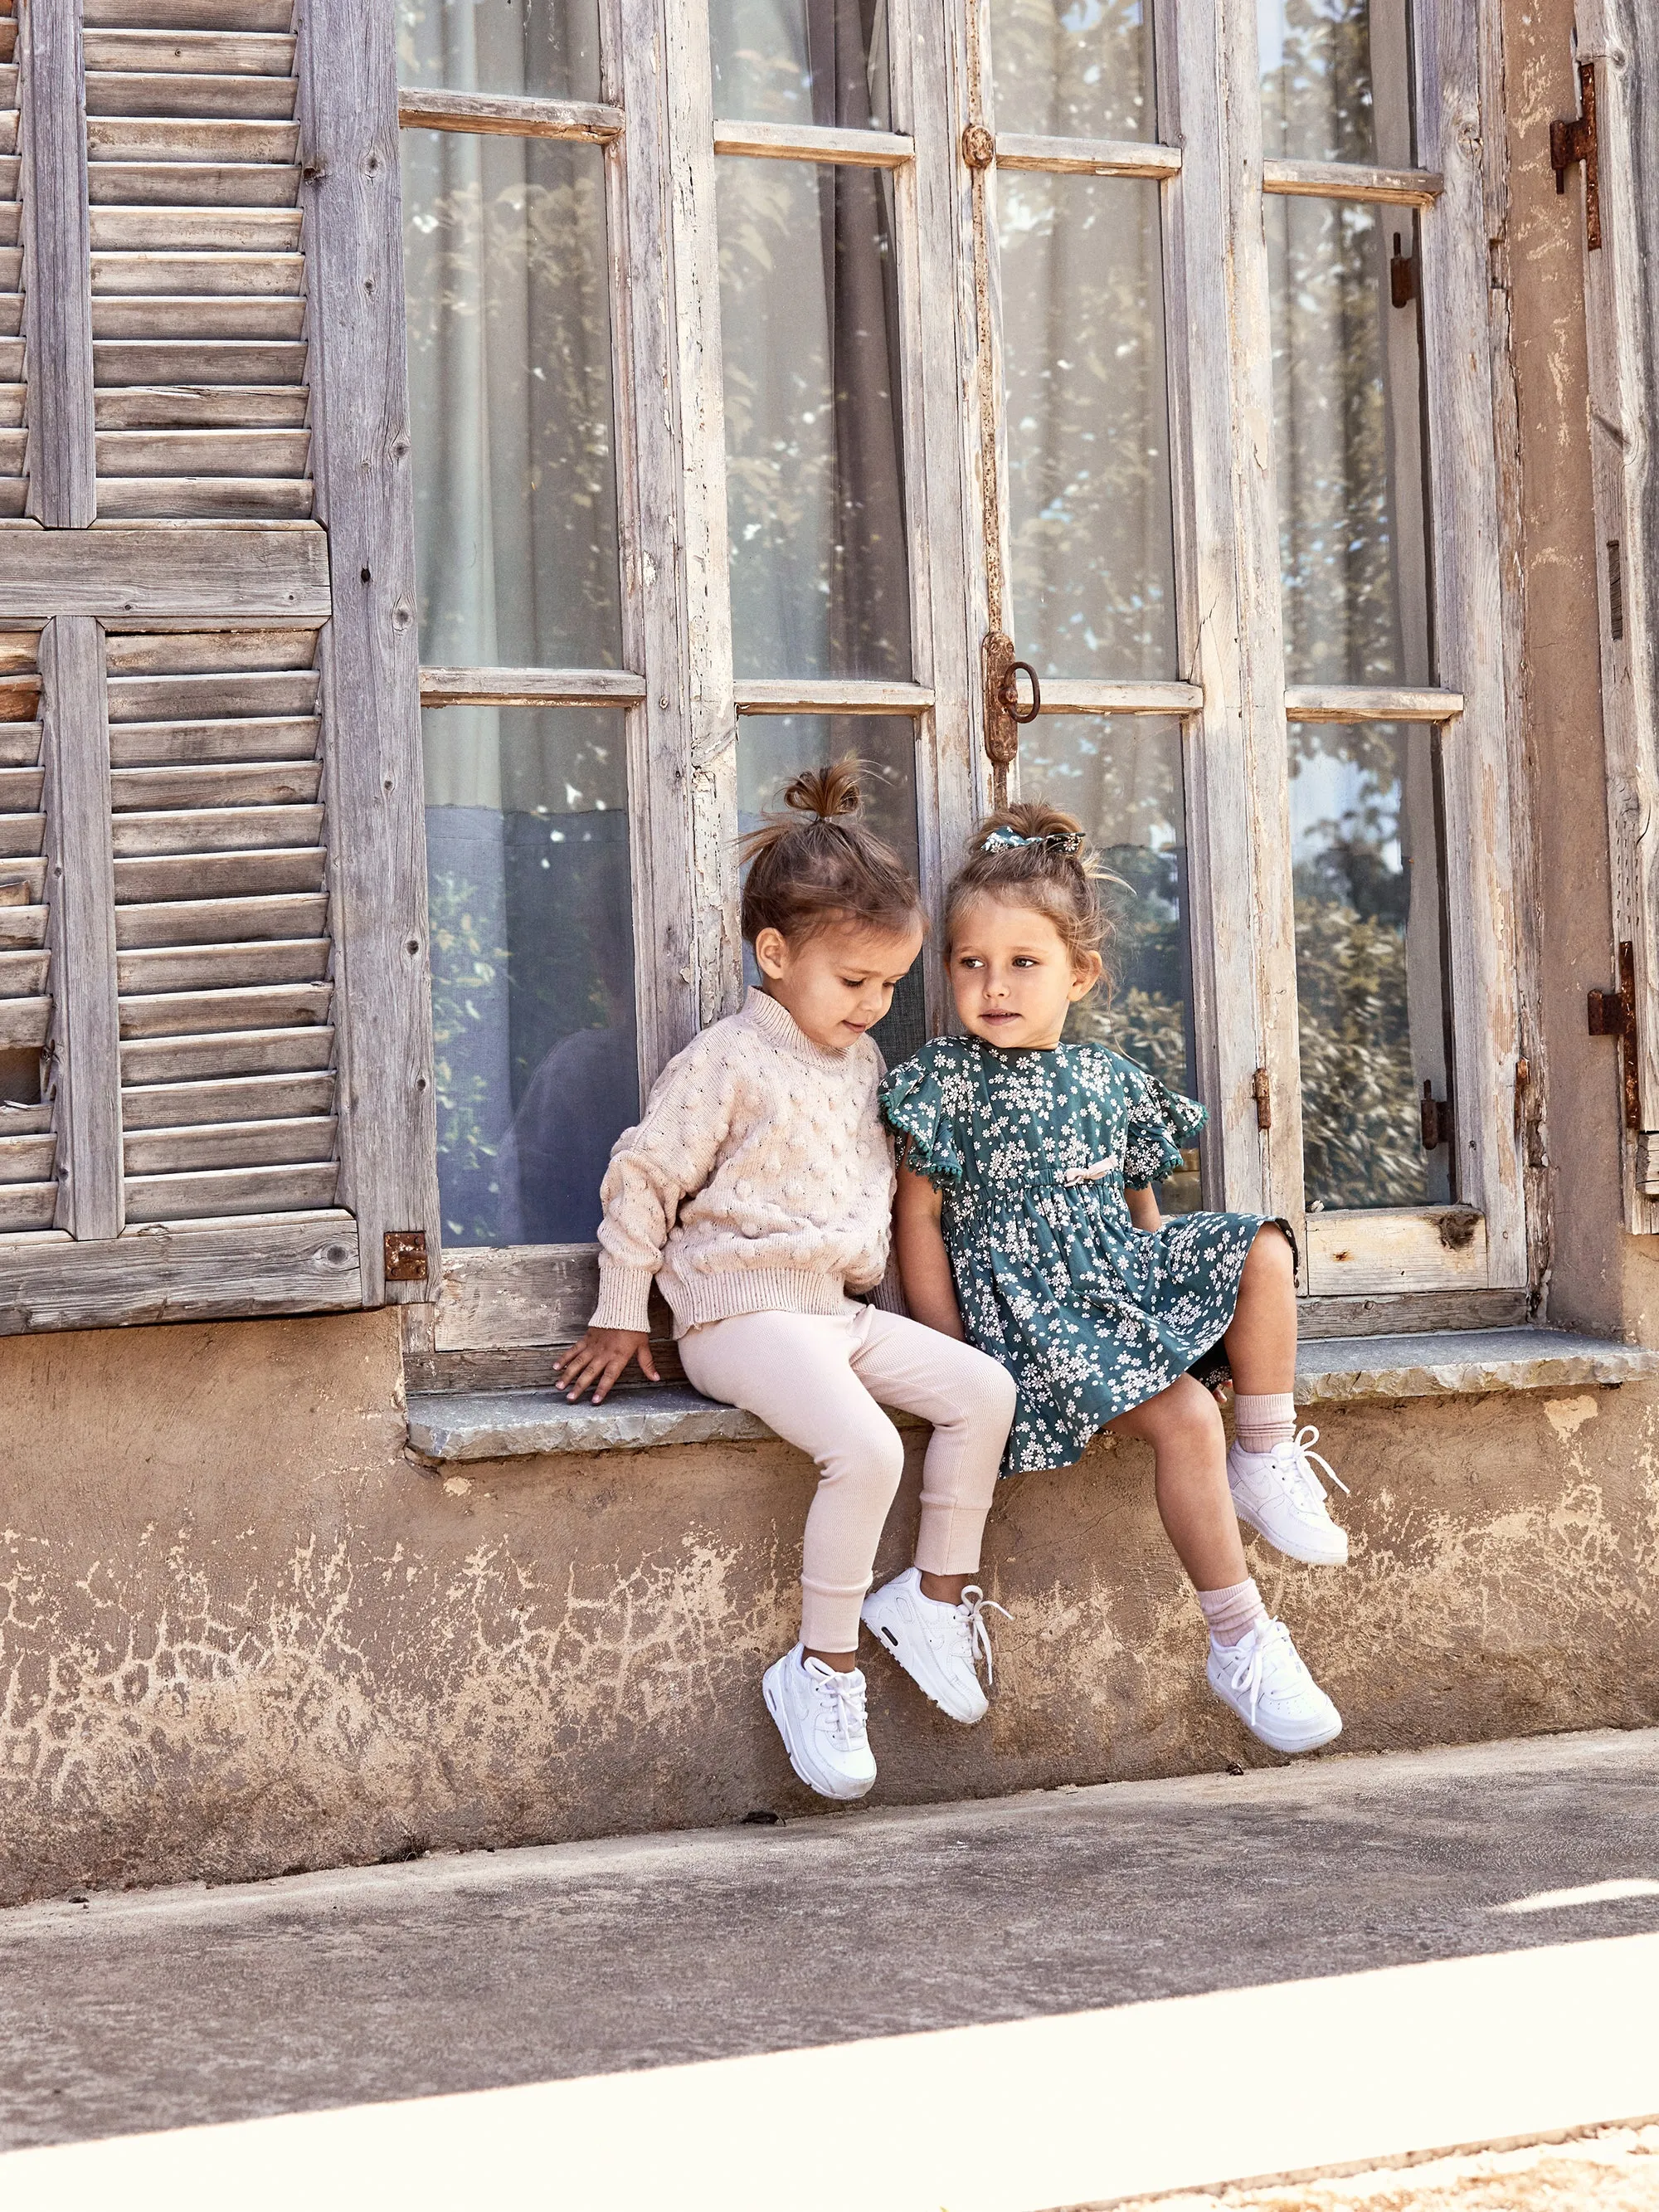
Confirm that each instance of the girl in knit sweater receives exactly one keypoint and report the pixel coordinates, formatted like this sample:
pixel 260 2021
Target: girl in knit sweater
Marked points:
pixel 757 1193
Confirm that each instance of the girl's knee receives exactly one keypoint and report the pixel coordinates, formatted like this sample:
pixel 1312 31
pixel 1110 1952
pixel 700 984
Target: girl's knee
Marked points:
pixel 1187 1415
pixel 1270 1255
pixel 870 1460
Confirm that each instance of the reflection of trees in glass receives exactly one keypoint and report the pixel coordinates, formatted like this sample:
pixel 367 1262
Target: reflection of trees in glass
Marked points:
pixel 1089 521
pixel 1316 103
pixel 509 366
pixel 1361 1138
pixel 464 967
pixel 1072 69
pixel 501 45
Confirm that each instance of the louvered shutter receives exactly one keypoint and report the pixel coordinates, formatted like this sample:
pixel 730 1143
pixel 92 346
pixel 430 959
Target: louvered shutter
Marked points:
pixel 212 897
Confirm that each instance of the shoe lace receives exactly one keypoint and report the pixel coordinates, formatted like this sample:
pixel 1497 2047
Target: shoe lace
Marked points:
pixel 842 1697
pixel 969 1618
pixel 1260 1654
pixel 1298 1467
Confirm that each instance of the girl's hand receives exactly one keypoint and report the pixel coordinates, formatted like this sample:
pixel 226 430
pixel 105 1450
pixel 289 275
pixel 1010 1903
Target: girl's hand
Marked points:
pixel 600 1357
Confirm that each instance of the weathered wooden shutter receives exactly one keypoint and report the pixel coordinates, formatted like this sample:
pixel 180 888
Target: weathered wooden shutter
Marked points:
pixel 1613 142
pixel 212 896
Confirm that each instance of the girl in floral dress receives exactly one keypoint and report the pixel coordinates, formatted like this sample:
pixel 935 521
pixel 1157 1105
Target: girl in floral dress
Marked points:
pixel 1026 1222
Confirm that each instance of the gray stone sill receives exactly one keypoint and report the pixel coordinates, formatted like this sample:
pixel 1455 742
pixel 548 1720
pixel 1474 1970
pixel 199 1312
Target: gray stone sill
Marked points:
pixel 1330 1371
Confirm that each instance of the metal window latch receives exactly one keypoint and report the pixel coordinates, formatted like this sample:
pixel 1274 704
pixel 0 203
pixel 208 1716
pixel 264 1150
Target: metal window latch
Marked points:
pixel 1402 274
pixel 1006 712
pixel 1613 1013
pixel 1437 1119
pixel 404 1251
pixel 1261 1090
pixel 1574 141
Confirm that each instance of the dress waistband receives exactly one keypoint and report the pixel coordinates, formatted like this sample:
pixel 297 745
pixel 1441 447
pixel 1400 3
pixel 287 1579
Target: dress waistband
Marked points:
pixel 1063 1179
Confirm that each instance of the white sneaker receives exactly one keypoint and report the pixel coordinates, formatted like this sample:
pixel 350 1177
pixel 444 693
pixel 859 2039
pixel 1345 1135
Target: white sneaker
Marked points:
pixel 1278 1494
pixel 820 1715
pixel 936 1645
pixel 1264 1680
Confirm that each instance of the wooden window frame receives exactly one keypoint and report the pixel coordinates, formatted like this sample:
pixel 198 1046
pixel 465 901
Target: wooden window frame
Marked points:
pixel 1232 702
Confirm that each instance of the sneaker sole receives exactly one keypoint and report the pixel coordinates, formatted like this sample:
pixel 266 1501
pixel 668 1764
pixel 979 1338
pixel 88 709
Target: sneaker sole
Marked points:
pixel 1283 1745
pixel 774 1707
pixel 890 1644
pixel 1289 1551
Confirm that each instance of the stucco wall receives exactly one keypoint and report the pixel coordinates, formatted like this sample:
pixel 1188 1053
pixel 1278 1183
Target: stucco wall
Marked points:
pixel 241 1632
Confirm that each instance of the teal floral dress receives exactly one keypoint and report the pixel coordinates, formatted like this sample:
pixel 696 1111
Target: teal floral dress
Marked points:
pixel 1032 1151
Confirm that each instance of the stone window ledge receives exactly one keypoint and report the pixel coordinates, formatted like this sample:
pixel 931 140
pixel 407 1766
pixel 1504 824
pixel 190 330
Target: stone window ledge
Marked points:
pixel 496 1424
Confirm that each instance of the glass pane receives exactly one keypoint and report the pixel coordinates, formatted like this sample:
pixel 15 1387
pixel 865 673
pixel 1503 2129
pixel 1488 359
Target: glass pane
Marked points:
pixel 1088 425
pixel 820 581
pixel 510 402
pixel 1334 80
pixel 1073 69
pixel 532 966
pixel 1370 965
pixel 537 46
pixel 1347 425
pixel 801 61
pixel 1121 777
pixel 772 750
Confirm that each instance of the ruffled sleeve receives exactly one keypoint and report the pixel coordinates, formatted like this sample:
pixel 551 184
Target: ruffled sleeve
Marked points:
pixel 912 1104
pixel 1162 1122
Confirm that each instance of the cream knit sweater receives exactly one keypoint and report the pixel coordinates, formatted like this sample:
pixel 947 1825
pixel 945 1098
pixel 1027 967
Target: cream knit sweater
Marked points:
pixel 759 1179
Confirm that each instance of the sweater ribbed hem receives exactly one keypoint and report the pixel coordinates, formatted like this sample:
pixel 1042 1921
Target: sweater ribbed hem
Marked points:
pixel 699 1298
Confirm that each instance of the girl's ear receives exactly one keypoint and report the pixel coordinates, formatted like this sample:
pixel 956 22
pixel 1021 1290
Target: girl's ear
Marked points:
pixel 1086 971
pixel 771 953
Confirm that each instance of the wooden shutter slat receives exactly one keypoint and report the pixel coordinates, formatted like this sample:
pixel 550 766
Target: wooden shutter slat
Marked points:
pixel 223 273
pixel 251 873
pixel 23 925
pixel 183 97
pixel 130 499
pixel 19 788
pixel 191 184
pixel 21 835
pixel 188 15
pixel 174 692
pixel 304 1141
pixel 240 453
pixel 162 362
pixel 176 319
pixel 269 738
pixel 269 652
pixel 214 1194
pixel 24 1022
pixel 253 407
pixel 243 53
pixel 193 229
pixel 25 1120
pixel 246 1098
pixel 225 1054
pixel 218 922
pixel 11 404
pixel 232 828
pixel 22 974
pixel 190 1013
pixel 185 138
pixel 24 1158
pixel 20 744
pixel 27 1206
pixel 221 784
pixel 256 963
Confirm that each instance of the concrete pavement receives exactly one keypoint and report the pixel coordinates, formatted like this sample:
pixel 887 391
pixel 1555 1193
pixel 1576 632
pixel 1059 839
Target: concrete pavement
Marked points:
pixel 1421 1950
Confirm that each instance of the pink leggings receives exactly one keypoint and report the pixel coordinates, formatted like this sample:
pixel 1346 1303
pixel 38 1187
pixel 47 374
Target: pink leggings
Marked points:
pixel 816 1379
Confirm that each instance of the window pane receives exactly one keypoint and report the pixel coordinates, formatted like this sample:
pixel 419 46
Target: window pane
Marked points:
pixel 510 402
pixel 1334 80
pixel 820 581
pixel 801 61
pixel 773 749
pixel 550 46
pixel 1088 425
pixel 1370 988
pixel 532 966
pixel 1121 777
pixel 1078 70
pixel 1347 425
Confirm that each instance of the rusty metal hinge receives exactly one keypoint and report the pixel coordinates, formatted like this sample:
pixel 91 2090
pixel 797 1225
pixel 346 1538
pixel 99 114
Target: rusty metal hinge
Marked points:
pixel 404 1251
pixel 1574 141
pixel 1402 274
pixel 1613 1013
pixel 1437 1119
pixel 1261 1090
pixel 1006 712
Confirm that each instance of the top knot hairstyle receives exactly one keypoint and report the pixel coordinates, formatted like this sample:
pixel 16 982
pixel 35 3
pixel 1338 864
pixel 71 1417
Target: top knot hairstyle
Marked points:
pixel 819 864
pixel 1029 854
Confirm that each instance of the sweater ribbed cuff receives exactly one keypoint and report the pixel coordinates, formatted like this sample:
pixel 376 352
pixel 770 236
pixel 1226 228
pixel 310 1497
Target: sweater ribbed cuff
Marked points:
pixel 624 1297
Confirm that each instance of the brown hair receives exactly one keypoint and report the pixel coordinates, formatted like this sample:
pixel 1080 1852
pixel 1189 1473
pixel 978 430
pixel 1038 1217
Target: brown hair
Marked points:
pixel 818 863
pixel 1053 871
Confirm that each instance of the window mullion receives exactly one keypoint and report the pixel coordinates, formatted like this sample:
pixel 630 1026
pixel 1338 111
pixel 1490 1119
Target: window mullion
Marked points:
pixel 1469 633
pixel 1242 922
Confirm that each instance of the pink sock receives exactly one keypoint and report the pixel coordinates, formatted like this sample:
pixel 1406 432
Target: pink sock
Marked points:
pixel 1266 1421
pixel 1232 1612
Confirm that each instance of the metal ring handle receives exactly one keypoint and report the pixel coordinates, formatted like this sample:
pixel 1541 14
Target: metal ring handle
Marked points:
pixel 1010 697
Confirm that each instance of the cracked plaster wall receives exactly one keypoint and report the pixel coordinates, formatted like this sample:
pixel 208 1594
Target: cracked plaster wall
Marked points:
pixel 241 1632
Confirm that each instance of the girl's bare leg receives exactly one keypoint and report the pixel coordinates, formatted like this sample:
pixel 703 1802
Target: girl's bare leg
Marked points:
pixel 1183 1426
pixel 1261 1342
